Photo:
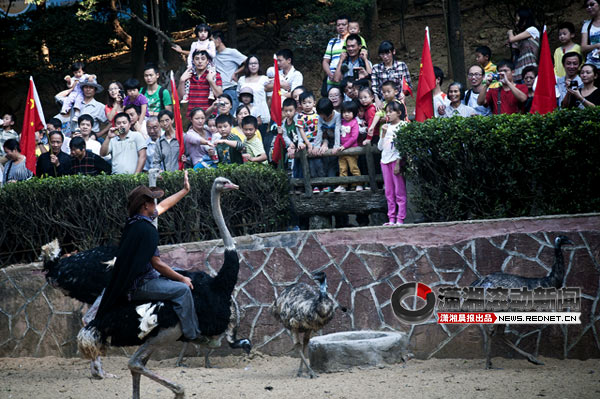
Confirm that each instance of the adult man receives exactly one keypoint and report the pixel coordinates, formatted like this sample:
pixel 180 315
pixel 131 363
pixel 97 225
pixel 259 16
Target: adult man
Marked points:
pixel 571 62
pixel 85 123
pixel 166 156
pixel 89 105
pixel 229 63
pixel 475 78
pixel 334 49
pixel 507 99
pixel 56 162
pixel 202 81
pixel 158 97
pixel 127 148
pixel 353 62
pixel 153 128
pixel 86 162
pixel 134 113
pixel 290 78
pixel 139 273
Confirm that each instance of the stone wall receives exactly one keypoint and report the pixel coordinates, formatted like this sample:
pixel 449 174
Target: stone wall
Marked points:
pixel 363 267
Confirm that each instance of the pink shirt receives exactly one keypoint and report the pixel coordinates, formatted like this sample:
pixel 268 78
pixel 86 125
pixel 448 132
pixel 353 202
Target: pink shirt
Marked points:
pixel 349 133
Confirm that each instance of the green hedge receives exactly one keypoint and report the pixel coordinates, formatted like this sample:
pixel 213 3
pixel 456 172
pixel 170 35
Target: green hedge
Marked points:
pixel 504 165
pixel 84 212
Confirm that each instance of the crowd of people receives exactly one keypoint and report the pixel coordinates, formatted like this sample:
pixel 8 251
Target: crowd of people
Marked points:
pixel 229 95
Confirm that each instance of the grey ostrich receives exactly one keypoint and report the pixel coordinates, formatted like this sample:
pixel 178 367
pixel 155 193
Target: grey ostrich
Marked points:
pixel 155 324
pixel 301 308
pixel 495 280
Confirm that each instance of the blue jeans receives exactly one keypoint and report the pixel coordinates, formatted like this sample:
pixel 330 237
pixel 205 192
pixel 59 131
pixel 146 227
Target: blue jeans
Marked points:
pixel 163 289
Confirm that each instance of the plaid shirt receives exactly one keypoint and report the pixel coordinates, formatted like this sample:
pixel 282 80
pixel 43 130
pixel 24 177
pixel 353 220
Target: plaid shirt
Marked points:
pixel 91 164
pixel 380 74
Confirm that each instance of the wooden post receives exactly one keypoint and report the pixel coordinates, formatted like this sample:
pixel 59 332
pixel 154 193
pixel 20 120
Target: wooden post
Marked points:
pixel 305 172
pixel 371 167
pixel 455 42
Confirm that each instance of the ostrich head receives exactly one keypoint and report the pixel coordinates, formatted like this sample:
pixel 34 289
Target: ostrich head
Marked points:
pixel 50 251
pixel 562 240
pixel 320 277
pixel 222 184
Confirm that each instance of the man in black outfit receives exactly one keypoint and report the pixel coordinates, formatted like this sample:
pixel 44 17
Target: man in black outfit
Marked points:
pixel 86 162
pixel 56 162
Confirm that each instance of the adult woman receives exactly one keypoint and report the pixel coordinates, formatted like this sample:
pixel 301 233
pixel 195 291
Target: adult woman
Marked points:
pixel 335 96
pixel 256 80
pixel 588 95
pixel 15 169
pixel 456 93
pixel 199 149
pixel 223 105
pixel 590 33
pixel 529 75
pixel 527 42
pixel 389 69
pixel 114 101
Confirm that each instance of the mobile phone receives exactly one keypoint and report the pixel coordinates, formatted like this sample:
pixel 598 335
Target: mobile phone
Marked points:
pixel 355 72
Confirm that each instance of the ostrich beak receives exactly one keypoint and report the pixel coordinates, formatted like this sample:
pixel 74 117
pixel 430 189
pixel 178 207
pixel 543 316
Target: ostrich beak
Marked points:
pixel 231 186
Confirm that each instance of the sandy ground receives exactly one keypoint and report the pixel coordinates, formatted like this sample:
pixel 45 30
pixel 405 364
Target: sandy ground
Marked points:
pixel 274 377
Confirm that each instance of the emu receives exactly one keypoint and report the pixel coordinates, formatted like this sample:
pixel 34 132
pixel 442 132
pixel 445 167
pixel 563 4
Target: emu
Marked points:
pixel 301 308
pixel 505 280
pixel 158 325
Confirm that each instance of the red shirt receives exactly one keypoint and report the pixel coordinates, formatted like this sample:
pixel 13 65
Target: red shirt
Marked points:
pixel 508 102
pixel 199 91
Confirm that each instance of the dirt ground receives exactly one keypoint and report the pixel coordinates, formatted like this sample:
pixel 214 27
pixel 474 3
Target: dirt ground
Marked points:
pixel 274 377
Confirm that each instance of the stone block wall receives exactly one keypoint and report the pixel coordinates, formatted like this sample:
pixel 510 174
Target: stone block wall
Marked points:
pixel 363 266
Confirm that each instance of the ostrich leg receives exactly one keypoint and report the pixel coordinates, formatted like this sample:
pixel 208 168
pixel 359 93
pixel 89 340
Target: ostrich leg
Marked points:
pixel 310 371
pixel 137 362
pixel 527 355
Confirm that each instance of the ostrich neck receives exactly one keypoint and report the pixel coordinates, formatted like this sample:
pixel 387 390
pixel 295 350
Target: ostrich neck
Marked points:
pixel 558 266
pixel 215 199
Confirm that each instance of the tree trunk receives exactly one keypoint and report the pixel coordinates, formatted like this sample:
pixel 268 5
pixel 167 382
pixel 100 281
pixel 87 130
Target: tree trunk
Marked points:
pixel 137 42
pixel 371 20
pixel 455 41
pixel 231 24
pixel 118 29
pixel 151 53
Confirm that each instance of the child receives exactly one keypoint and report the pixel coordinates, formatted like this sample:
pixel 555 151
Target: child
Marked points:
pixel 211 124
pixel 132 88
pixel 368 109
pixel 354 28
pixel 389 91
pixel 242 112
pixel 483 56
pixel 253 146
pixel 395 187
pixel 6 132
pixel 348 139
pixel 203 32
pixel 229 146
pixel 290 134
pixel 328 128
pixel 246 97
pixel 566 34
pixel 75 97
pixel 307 123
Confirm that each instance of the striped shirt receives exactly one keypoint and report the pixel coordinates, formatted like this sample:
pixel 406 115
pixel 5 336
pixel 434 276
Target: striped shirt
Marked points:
pixel 200 90
pixel 334 50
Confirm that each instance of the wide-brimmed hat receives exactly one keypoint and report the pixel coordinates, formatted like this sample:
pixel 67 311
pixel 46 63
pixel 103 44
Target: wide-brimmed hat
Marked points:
pixel 139 196
pixel 91 83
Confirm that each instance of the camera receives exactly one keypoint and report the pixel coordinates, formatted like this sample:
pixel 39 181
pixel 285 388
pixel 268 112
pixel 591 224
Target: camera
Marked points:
pixel 495 76
pixel 355 72
pixel 573 85
pixel 221 103
pixel 122 94
pixel 121 130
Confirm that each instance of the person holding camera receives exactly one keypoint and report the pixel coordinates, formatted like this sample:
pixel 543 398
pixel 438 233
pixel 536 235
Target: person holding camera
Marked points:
pixel 127 148
pixel 571 62
pixel 353 62
pixel 588 95
pixel 507 99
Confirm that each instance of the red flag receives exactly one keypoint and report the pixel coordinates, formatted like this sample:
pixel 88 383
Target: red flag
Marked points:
pixel 426 84
pixel 33 121
pixel 405 87
pixel 278 143
pixel 544 97
pixel 178 121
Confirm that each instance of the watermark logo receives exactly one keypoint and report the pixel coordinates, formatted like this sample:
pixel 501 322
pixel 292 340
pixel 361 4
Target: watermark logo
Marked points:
pixel 416 290
pixel 497 305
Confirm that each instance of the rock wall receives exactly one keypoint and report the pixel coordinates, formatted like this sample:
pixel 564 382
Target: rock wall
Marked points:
pixel 363 267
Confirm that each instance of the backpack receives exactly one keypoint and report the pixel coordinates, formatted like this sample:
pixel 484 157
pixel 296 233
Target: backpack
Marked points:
pixel 161 91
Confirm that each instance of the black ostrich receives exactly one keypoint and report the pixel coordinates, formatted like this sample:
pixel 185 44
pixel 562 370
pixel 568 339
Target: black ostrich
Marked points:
pixel 81 276
pixel 301 308
pixel 155 324
pixel 504 280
